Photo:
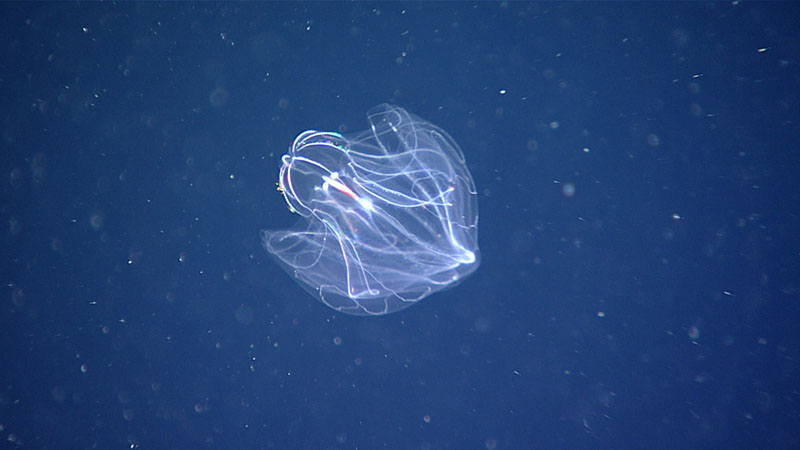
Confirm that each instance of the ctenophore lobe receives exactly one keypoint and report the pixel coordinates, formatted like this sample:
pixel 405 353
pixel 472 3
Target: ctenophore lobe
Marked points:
pixel 388 215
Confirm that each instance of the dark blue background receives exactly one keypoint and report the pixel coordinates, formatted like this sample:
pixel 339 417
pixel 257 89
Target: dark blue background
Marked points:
pixel 656 308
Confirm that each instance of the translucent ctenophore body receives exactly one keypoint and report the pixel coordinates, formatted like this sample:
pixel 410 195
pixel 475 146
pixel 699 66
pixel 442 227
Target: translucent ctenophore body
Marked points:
pixel 389 215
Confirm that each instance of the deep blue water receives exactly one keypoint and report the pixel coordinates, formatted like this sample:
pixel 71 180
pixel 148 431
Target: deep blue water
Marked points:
pixel 636 166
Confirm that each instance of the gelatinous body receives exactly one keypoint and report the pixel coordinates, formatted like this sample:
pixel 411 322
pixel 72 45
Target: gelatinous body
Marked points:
pixel 390 215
